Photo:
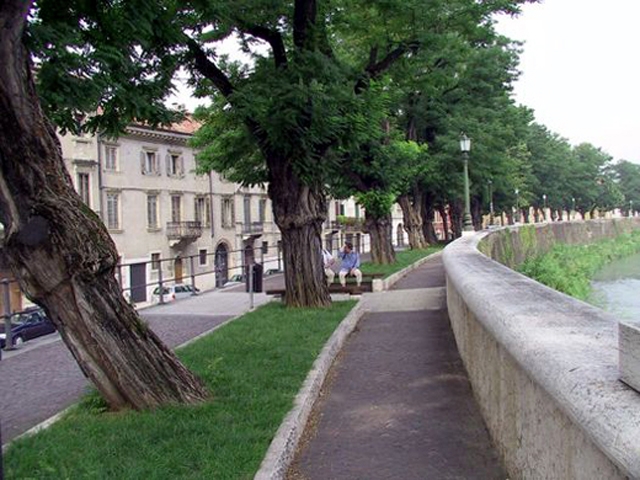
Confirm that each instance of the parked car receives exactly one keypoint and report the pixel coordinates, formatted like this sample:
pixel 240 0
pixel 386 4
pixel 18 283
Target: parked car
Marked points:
pixel 174 292
pixel 26 325
pixel 272 271
pixel 236 279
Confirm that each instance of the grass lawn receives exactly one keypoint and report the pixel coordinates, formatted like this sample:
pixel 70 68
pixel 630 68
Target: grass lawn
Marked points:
pixel 254 366
pixel 403 259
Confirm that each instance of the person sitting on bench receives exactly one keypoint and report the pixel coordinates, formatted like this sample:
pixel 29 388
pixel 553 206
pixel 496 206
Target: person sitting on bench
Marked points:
pixel 328 261
pixel 350 265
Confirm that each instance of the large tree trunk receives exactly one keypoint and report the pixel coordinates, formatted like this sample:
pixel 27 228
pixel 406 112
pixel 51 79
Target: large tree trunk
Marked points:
pixel 61 253
pixel 412 219
pixel 380 232
pixel 445 222
pixel 456 211
pixel 428 217
pixel 299 211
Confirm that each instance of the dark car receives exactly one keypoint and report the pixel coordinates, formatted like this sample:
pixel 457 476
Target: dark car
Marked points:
pixel 29 324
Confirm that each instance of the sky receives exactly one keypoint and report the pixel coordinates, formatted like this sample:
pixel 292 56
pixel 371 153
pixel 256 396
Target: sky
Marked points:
pixel 581 70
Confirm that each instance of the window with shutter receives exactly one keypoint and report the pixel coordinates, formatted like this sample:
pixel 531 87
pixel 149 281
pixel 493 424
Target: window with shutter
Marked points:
pixel 152 211
pixel 113 211
pixel 83 188
pixel 155 163
pixel 143 162
pixel 111 158
pixel 176 208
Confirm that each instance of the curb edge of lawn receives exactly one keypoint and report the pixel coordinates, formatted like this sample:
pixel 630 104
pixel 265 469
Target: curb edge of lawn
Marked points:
pixel 284 445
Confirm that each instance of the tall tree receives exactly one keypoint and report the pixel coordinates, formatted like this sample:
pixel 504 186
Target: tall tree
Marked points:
pixel 307 97
pixel 627 177
pixel 61 252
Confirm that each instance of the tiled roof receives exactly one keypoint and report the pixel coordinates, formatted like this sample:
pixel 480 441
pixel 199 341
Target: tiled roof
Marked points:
pixel 187 125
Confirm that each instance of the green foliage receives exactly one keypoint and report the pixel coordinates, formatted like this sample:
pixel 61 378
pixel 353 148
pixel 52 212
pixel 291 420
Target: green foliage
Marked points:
pixel 254 366
pixel 225 145
pixel 351 221
pixel 570 268
pixel 626 176
pixel 106 59
pixel 376 203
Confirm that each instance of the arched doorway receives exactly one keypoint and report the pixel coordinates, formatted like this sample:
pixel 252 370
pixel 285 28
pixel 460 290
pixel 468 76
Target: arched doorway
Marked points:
pixel 400 236
pixel 177 270
pixel 221 265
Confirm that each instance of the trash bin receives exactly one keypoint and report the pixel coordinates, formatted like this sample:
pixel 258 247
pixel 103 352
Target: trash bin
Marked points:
pixel 257 277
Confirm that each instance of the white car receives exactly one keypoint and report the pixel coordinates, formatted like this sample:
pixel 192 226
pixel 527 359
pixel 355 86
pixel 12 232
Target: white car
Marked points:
pixel 174 292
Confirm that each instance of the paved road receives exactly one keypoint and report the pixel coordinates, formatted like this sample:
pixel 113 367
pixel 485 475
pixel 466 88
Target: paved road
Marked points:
pixel 41 379
pixel 398 403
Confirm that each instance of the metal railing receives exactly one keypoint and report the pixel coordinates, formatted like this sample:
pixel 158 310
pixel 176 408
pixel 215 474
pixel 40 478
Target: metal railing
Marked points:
pixel 207 271
pixel 213 270
pixel 184 230
pixel 253 227
pixel 351 225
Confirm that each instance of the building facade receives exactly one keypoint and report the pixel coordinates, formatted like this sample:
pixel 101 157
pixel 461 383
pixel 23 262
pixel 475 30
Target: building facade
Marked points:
pixel 167 221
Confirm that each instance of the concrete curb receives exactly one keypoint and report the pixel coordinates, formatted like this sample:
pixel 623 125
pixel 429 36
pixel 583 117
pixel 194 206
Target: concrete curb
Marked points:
pixel 285 443
pixel 41 426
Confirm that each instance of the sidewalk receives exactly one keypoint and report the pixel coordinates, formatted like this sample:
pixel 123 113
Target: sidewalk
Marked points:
pixel 397 402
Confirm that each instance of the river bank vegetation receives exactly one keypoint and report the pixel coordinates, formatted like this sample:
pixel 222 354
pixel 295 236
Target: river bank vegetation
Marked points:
pixel 570 268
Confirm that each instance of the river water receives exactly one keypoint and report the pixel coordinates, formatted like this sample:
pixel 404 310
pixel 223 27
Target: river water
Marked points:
pixel 616 288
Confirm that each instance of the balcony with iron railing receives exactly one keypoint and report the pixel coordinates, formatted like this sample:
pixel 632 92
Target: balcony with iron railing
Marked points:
pixel 346 224
pixel 253 228
pixel 184 231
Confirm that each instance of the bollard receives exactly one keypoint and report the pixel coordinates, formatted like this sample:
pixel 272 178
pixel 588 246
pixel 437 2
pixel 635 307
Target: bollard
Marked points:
pixel 279 257
pixel 160 289
pixel 251 285
pixel 193 276
pixel 8 340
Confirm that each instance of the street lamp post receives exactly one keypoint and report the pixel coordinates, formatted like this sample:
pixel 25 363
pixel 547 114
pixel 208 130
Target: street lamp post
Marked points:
pixel 490 182
pixel 517 192
pixel 573 208
pixel 465 146
pixel 544 206
pixel 631 208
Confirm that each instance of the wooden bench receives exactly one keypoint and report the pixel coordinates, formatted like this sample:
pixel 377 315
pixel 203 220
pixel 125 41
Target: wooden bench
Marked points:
pixel 351 285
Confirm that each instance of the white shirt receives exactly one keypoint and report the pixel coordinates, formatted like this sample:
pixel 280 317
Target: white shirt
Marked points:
pixel 327 258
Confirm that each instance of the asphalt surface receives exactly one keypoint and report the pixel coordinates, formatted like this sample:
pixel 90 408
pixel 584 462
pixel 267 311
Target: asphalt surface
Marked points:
pixel 397 403
pixel 41 379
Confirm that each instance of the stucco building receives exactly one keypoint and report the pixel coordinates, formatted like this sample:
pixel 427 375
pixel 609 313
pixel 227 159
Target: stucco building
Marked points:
pixel 166 220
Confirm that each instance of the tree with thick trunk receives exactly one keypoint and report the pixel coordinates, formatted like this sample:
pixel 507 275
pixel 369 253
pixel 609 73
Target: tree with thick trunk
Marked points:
pixel 428 219
pixel 380 230
pixel 62 254
pixel 411 218
pixel 299 211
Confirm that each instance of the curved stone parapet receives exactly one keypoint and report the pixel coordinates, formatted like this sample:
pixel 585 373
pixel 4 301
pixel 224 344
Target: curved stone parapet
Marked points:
pixel 544 366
